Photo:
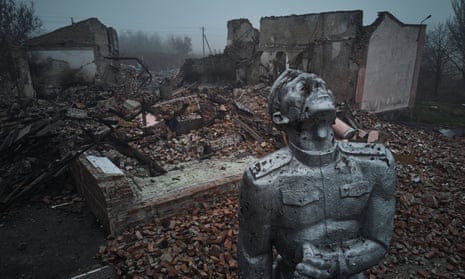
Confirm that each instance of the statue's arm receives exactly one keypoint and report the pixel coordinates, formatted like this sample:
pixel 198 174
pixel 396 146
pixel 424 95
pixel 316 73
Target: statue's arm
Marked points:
pixel 358 255
pixel 254 242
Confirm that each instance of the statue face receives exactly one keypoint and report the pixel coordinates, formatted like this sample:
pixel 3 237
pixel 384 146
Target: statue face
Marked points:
pixel 305 100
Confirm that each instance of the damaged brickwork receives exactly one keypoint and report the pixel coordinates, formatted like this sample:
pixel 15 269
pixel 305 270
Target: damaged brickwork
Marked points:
pixel 238 62
pixel 374 66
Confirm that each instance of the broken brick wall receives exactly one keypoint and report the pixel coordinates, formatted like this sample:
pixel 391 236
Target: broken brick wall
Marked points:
pixel 325 44
pixel 118 200
pixel 108 195
pixel 73 54
pixel 235 64
pixel 375 67
pixel 241 31
pixel 243 48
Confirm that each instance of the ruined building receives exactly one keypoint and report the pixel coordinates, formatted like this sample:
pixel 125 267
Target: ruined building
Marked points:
pixel 236 63
pixel 77 53
pixel 374 66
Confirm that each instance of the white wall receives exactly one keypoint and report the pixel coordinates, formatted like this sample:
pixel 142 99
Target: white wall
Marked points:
pixel 390 67
pixel 81 60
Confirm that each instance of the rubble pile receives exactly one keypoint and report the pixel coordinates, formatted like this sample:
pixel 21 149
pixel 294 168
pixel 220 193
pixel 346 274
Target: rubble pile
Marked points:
pixel 429 223
pixel 219 127
pixel 428 239
pixel 195 124
pixel 133 126
pixel 29 158
pixel 200 245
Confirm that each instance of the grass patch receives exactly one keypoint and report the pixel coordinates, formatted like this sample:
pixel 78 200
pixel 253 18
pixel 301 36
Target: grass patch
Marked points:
pixel 442 114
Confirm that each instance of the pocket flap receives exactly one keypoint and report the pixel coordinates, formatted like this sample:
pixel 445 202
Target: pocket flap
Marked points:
pixel 300 197
pixel 355 189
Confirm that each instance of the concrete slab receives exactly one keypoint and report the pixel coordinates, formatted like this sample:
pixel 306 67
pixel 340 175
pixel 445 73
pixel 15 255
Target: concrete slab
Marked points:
pixel 104 164
pixel 180 180
pixel 119 200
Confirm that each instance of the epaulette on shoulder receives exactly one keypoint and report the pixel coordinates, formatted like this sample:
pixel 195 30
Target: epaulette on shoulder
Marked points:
pixel 362 149
pixel 270 163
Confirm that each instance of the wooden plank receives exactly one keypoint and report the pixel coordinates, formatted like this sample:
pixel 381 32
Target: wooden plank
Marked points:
pixel 248 129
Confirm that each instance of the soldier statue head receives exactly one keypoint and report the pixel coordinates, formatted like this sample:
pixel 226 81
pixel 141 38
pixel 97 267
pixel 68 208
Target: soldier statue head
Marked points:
pixel 302 106
pixel 326 207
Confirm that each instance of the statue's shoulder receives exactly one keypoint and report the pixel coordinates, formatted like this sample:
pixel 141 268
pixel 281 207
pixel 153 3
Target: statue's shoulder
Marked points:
pixel 367 151
pixel 363 149
pixel 270 163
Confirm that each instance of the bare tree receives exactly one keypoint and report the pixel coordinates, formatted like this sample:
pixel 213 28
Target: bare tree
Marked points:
pixel 138 41
pixel 437 55
pixel 456 26
pixel 17 22
pixel 182 46
pixel 159 53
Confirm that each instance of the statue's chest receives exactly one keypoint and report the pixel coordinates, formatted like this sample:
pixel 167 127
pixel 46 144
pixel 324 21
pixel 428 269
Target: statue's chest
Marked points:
pixel 311 195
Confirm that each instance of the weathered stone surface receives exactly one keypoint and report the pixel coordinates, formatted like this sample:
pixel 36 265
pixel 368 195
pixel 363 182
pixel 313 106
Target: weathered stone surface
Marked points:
pixel 316 200
pixel 118 200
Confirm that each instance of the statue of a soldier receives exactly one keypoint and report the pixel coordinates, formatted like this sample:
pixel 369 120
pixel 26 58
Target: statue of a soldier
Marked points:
pixel 327 207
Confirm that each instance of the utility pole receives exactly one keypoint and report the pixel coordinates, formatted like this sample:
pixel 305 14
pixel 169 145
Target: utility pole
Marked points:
pixel 208 45
pixel 203 40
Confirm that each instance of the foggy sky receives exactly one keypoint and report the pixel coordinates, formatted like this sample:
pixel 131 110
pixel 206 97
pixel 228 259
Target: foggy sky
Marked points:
pixel 186 17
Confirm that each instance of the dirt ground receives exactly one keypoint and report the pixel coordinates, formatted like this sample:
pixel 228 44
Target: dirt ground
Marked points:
pixel 38 241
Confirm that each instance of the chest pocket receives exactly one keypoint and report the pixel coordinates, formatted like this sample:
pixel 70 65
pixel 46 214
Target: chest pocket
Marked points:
pixel 300 197
pixel 356 189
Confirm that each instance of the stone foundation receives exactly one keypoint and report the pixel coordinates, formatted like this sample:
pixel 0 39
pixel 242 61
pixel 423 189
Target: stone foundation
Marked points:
pixel 119 200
